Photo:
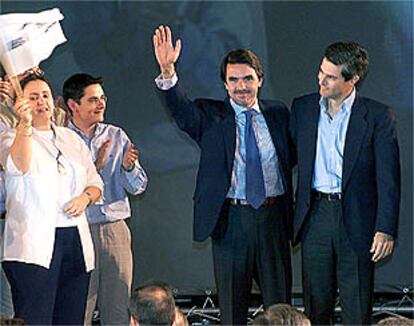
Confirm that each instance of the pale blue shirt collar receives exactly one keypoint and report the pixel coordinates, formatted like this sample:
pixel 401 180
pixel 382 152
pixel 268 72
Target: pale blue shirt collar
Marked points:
pixel 346 105
pixel 98 128
pixel 238 109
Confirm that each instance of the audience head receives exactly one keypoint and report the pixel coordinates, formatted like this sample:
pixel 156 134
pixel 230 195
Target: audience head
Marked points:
pixel 152 304
pixel 282 314
pixel 396 321
pixel 7 321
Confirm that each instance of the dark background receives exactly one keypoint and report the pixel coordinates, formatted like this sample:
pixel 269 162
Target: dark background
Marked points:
pixel 113 39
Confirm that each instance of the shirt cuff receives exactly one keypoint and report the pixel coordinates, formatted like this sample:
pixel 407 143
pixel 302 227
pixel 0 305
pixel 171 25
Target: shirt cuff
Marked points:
pixel 136 179
pixel 166 84
pixel 136 168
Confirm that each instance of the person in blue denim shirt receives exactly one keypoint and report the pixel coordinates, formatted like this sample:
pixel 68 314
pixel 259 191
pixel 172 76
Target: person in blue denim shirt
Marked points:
pixel 116 160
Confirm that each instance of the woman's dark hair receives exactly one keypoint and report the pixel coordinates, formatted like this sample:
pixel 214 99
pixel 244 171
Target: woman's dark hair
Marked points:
pixel 34 77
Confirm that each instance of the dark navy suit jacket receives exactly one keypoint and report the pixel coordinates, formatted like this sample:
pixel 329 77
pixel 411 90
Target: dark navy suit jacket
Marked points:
pixel 211 124
pixel 371 168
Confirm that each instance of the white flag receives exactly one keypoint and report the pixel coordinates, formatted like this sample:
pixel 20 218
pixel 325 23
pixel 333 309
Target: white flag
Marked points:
pixel 28 39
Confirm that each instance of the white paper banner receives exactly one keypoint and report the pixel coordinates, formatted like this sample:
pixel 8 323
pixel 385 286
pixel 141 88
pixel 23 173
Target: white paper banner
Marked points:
pixel 28 39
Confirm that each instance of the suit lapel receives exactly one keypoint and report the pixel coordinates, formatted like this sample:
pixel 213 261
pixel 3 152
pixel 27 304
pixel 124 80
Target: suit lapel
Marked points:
pixel 275 129
pixel 229 133
pixel 354 138
pixel 309 136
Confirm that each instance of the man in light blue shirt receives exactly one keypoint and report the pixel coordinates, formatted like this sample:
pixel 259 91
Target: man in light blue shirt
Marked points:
pixel 116 160
pixel 348 188
pixel 330 145
pixel 273 180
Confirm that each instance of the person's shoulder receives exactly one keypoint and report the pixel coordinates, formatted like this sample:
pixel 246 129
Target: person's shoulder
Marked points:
pixel 209 102
pixel 306 98
pixel 377 110
pixel 272 103
pixel 212 107
pixel 300 105
pixel 69 136
pixel 112 131
pixel 109 127
pixel 4 126
pixel 66 132
pixel 275 106
pixel 372 104
pixel 7 132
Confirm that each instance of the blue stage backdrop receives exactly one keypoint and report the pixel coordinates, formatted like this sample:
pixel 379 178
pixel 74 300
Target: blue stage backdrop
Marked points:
pixel 113 39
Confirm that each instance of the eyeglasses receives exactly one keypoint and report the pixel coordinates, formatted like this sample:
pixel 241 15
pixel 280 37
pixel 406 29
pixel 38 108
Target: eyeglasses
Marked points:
pixel 97 100
pixel 60 167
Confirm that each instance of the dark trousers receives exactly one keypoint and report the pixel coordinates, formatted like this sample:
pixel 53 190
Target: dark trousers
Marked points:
pixel 54 296
pixel 329 263
pixel 255 246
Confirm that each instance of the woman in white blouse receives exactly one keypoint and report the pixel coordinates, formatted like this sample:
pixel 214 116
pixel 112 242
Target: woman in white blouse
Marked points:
pixel 47 251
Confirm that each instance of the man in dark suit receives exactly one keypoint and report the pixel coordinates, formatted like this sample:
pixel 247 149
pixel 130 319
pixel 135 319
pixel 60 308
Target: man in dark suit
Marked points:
pixel 242 196
pixel 348 194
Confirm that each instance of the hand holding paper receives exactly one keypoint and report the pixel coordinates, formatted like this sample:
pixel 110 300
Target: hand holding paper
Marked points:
pixel 28 39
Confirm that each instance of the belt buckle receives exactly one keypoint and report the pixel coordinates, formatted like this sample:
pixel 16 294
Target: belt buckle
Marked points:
pixel 242 202
pixel 236 201
pixel 334 196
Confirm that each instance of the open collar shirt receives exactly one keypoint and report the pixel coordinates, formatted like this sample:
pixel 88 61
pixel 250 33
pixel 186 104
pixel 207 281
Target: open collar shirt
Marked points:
pixel 330 146
pixel 118 181
pixel 270 163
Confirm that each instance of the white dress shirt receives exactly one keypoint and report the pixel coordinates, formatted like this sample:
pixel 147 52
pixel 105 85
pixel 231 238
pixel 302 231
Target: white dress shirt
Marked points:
pixel 34 199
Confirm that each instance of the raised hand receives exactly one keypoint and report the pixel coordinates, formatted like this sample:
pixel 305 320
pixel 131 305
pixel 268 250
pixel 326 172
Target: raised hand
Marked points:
pixel 23 110
pixel 130 156
pixel 102 155
pixel 166 54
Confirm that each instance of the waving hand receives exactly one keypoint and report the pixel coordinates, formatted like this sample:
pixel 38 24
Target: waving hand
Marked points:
pixel 166 54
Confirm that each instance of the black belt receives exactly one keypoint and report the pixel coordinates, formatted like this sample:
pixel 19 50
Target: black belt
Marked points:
pixel 327 196
pixel 268 201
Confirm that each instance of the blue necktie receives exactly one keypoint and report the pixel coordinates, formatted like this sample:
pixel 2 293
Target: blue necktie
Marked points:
pixel 255 190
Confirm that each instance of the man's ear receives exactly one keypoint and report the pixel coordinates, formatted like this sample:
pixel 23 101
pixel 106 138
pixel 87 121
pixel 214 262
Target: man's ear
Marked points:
pixel 355 79
pixel 73 106
pixel 225 86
